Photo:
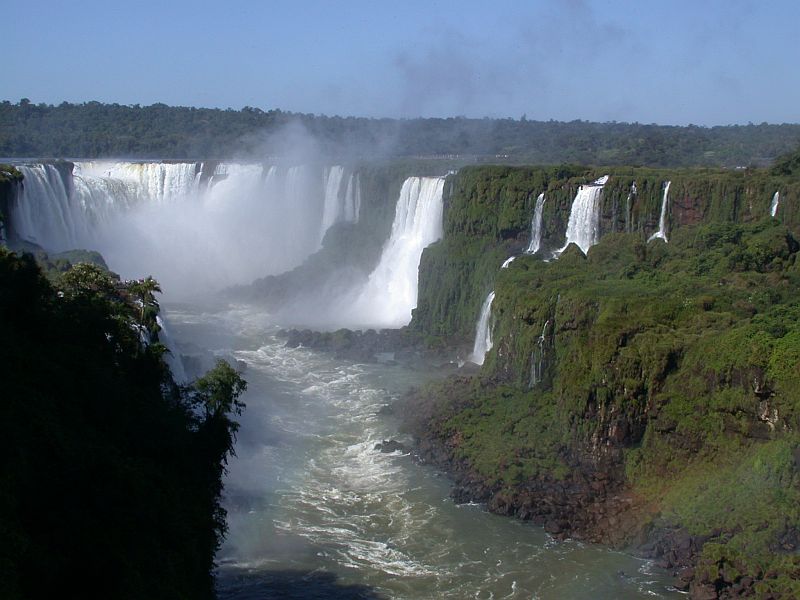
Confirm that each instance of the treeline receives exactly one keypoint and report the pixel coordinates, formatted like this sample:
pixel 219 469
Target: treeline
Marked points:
pixel 110 474
pixel 94 129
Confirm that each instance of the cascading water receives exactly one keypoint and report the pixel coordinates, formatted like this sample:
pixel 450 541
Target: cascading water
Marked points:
pixel 583 228
pixel 536 226
pixel 157 182
pixel 507 262
pixel 662 220
pixel 483 332
pixel 243 222
pixel 537 357
pixel 332 211
pixel 352 204
pixel 342 200
pixel 45 212
pixel 390 294
pixel 773 209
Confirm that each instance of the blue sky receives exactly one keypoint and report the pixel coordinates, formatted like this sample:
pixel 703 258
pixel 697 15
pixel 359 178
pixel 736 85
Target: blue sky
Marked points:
pixel 707 62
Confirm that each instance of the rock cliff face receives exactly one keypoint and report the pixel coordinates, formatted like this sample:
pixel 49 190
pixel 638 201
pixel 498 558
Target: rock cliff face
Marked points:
pixel 10 180
pixel 644 395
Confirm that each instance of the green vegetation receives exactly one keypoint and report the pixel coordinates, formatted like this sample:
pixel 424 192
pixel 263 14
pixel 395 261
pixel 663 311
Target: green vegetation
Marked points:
pixel 488 212
pixel 111 474
pixel 94 129
pixel 676 364
pixel 9 179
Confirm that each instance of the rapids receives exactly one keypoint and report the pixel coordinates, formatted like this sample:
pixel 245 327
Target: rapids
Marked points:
pixel 315 511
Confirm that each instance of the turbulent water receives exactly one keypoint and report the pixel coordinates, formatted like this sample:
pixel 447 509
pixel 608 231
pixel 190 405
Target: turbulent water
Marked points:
pixel 483 332
pixel 316 512
pixel 662 220
pixel 583 227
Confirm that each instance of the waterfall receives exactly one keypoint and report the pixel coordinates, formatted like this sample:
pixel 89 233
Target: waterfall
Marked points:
pixel 63 212
pixel 536 226
pixel 537 357
pixel 352 199
pixel 483 332
pixel 243 222
pixel 340 204
pixel 172 358
pixel 334 207
pixel 662 220
pixel 773 209
pixel 47 213
pixel 507 262
pixel 583 228
pixel 390 294
pixel 158 182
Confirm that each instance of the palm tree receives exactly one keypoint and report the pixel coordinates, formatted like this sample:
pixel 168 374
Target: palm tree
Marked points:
pixel 144 291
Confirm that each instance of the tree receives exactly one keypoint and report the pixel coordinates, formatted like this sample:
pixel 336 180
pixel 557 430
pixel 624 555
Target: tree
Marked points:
pixel 87 280
pixel 218 392
pixel 143 291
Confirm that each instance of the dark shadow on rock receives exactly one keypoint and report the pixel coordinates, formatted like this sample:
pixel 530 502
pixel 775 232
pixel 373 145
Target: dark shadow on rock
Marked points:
pixel 290 585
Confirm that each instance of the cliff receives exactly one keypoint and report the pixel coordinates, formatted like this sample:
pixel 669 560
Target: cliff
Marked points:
pixel 10 180
pixel 644 395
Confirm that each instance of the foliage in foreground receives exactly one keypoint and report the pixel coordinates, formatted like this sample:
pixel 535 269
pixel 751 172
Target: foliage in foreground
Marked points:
pixel 110 476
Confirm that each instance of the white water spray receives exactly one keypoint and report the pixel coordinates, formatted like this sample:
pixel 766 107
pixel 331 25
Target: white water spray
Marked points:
pixel 45 212
pixel 536 226
pixel 773 209
pixel 390 294
pixel 507 262
pixel 583 228
pixel 483 332
pixel 247 222
pixel 662 220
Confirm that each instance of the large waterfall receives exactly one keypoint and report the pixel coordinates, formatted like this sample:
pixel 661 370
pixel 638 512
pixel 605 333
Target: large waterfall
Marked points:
pixel 390 294
pixel 773 209
pixel 193 231
pixel 483 332
pixel 536 226
pixel 662 220
pixel 45 212
pixel 583 228
pixel 157 182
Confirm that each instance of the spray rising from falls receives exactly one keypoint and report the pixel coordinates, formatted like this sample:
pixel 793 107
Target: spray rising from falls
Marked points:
pixel 195 231
pixel 536 226
pixel 390 294
pixel 583 228
pixel 776 199
pixel 483 332
pixel 662 220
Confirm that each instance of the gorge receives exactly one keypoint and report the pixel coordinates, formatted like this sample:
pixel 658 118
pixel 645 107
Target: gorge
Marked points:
pixel 616 376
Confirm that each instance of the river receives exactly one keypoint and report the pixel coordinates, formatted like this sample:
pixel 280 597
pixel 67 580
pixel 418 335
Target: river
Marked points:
pixel 315 511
